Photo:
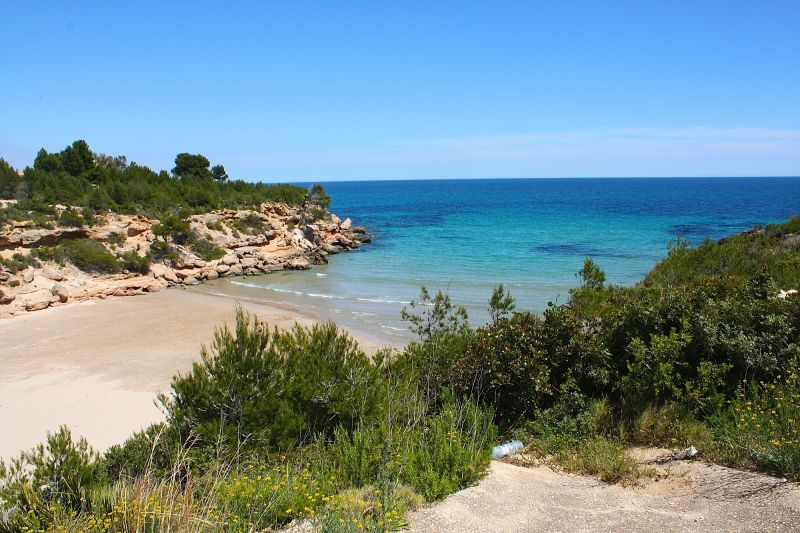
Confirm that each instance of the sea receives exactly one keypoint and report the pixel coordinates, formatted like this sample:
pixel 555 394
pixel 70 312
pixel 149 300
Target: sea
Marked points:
pixel 464 237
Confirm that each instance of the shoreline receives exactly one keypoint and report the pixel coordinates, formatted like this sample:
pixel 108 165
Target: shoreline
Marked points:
pixel 98 368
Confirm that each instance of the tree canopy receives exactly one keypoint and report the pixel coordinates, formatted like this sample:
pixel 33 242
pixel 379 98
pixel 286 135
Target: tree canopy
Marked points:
pixel 78 177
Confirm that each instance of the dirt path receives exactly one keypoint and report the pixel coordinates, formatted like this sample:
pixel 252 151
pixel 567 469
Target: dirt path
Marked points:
pixel 695 497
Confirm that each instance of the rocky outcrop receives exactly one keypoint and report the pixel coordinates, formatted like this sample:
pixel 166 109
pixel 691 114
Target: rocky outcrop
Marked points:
pixel 247 242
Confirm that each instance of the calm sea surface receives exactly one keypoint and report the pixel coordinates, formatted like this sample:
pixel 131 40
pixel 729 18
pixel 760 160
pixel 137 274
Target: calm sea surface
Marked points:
pixel 466 236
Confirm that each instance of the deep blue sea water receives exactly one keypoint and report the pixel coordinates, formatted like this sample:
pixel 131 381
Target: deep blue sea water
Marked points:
pixel 467 236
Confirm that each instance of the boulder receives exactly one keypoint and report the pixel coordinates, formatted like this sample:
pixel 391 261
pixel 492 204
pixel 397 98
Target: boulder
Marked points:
pixel 191 280
pixel 248 262
pixel 5 275
pixel 300 263
pixel 347 224
pixel 60 291
pixel 52 273
pixel 211 274
pixel 222 268
pixel 230 259
pixel 188 261
pixel 236 270
pixel 246 251
pixel 163 272
pixel 137 227
pixel 36 301
pixel 330 248
pixel 154 287
pixel 27 275
pixel 6 297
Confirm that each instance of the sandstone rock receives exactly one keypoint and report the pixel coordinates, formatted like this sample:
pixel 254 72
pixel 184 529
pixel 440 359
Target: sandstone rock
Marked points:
pixel 300 263
pixel 60 291
pixel 164 272
pixel 222 268
pixel 330 248
pixel 27 275
pixel 36 301
pixel 347 224
pixel 4 274
pixel 6 297
pixel 191 280
pixel 137 227
pixel 236 270
pixel 248 262
pixel 211 274
pixel 51 273
pixel 187 261
pixel 246 251
pixel 154 287
pixel 230 259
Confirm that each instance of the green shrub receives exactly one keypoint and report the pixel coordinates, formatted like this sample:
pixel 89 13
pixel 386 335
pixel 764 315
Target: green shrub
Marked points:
pixel 134 262
pixel 89 255
pixel 764 424
pixel 672 426
pixel 318 214
pixel 250 224
pixel 601 457
pixel 304 382
pixel 152 451
pixel 451 452
pixel 19 262
pixel 117 238
pixel 206 249
pixel 160 250
pixel 174 228
pixel 57 475
pixel 215 225
pixel 71 218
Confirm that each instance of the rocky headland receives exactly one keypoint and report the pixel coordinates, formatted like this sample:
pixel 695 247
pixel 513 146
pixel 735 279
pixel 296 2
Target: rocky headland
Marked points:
pixel 233 242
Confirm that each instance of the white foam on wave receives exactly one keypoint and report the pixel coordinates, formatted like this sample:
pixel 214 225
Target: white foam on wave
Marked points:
pixel 392 328
pixel 285 291
pixel 382 301
pixel 245 284
pixel 326 296
pixel 320 274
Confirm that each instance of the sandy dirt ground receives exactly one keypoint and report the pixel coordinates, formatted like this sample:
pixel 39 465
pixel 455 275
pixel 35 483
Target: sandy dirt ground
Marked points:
pixel 694 497
pixel 97 366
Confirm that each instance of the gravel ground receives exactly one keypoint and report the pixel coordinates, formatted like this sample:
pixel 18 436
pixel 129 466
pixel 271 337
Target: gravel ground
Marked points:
pixel 694 497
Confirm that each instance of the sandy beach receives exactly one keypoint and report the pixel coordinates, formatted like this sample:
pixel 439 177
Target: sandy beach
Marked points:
pixel 97 366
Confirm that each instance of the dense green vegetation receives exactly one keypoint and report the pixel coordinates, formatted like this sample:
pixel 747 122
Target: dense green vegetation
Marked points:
pixel 271 426
pixel 78 177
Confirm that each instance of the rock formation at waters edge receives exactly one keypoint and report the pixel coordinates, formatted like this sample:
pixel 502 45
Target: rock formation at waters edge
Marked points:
pixel 285 239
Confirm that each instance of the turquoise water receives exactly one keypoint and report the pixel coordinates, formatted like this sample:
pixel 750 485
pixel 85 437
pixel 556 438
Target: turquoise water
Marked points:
pixel 467 236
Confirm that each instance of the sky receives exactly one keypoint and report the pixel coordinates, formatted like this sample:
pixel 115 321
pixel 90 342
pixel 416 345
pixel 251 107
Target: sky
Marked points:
pixel 323 91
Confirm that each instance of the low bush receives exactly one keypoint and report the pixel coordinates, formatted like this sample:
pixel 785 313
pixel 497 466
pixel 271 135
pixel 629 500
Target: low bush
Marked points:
pixel 19 262
pixel 71 218
pixel 55 476
pixel 764 425
pixel 117 238
pixel 160 250
pixel 304 381
pixel 133 262
pixel 206 249
pixel 215 225
pixel 250 224
pixel 89 255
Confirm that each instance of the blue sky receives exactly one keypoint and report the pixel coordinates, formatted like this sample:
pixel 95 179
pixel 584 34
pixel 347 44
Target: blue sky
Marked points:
pixel 378 90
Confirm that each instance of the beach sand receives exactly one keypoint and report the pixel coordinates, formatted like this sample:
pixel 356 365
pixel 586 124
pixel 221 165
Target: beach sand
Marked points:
pixel 97 366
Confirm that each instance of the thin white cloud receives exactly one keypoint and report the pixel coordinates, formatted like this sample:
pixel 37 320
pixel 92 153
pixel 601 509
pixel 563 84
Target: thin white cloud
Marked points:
pixel 692 151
